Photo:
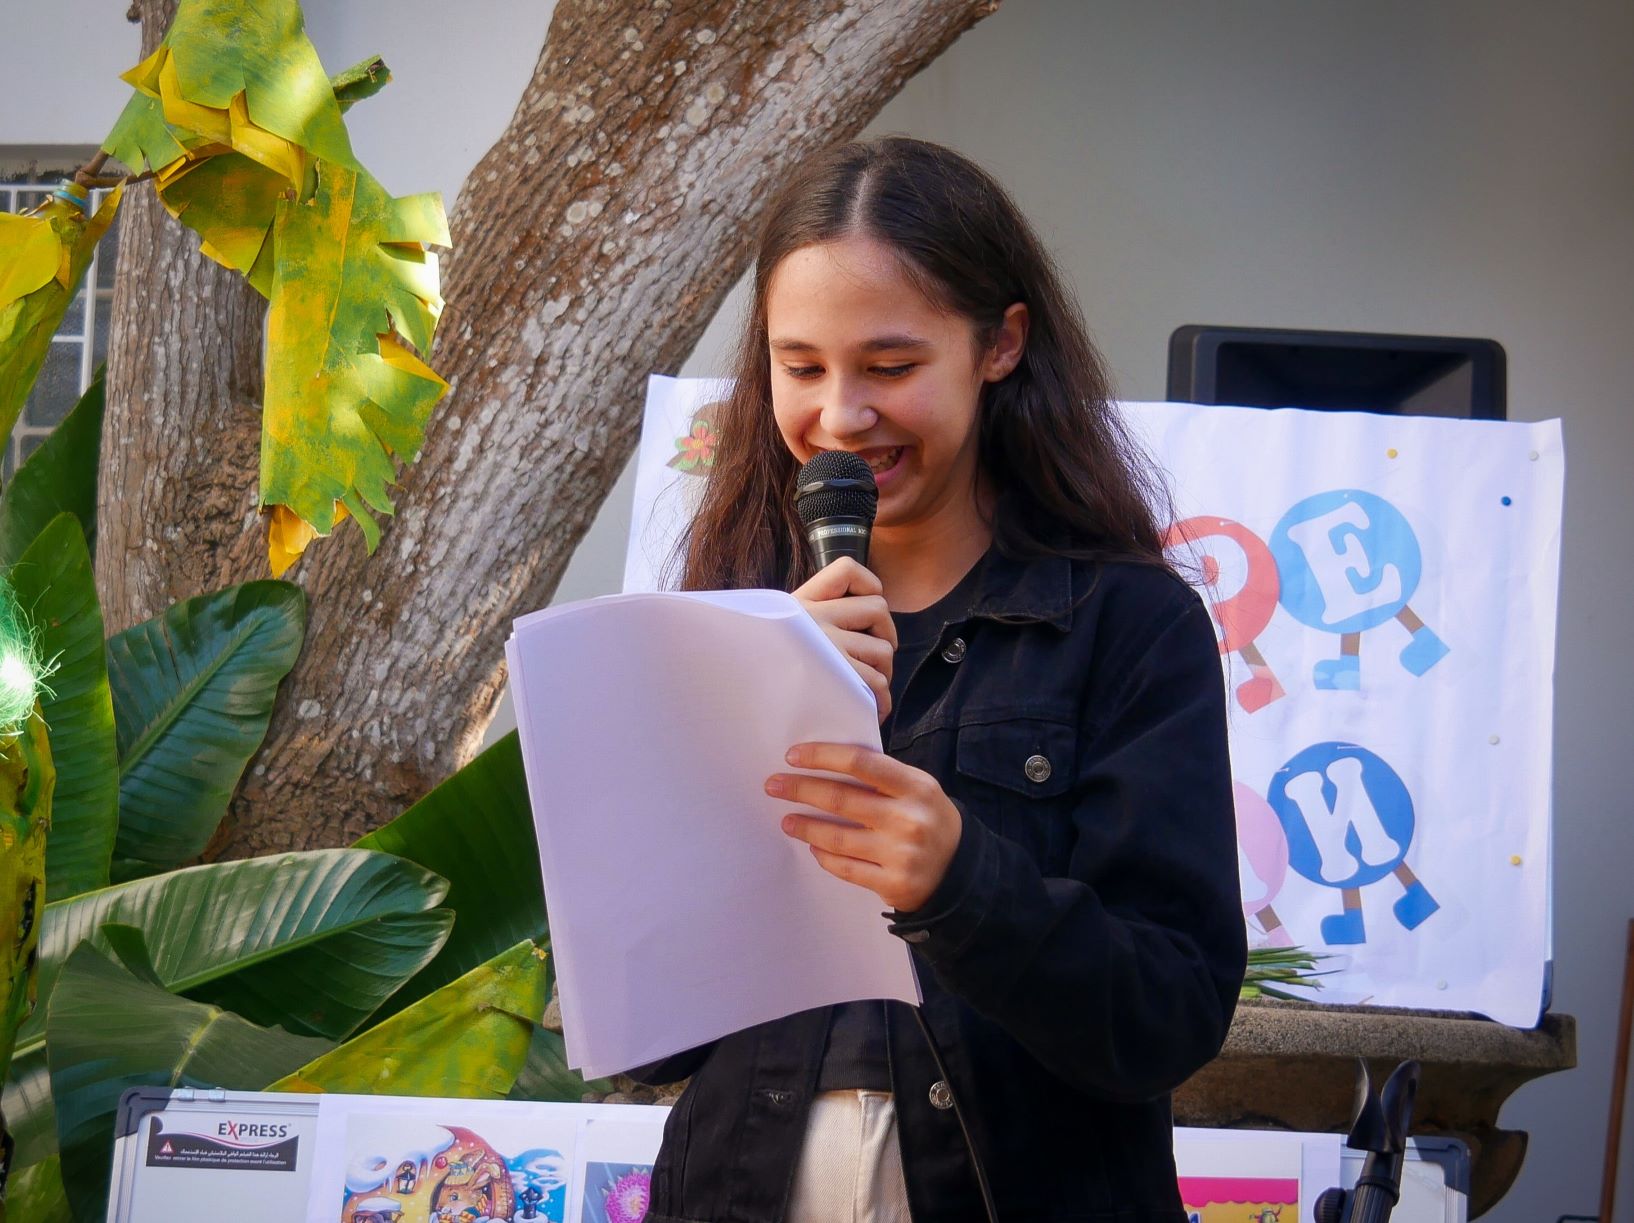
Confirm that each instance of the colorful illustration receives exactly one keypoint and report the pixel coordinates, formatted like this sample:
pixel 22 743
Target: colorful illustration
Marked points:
pixel 616 1193
pixel 1349 822
pixel 424 1173
pixel 695 453
pixel 1240 1199
pixel 1240 579
pixel 1349 561
pixel 1262 862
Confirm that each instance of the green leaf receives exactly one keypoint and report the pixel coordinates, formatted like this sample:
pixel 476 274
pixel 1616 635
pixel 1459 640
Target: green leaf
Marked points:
pixel 59 477
pixel 161 1040
pixel 57 592
pixel 546 1075
pixel 362 80
pixel 345 398
pixel 222 48
pixel 31 1118
pixel 141 136
pixel 469 1039
pixel 35 1194
pixel 229 200
pixel 312 941
pixel 192 694
pixel 476 831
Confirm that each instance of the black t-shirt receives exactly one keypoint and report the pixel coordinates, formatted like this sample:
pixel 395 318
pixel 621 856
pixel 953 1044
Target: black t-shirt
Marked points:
pixel 855 1054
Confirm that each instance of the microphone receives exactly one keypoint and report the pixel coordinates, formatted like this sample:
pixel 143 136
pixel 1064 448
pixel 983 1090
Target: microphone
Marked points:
pixel 836 499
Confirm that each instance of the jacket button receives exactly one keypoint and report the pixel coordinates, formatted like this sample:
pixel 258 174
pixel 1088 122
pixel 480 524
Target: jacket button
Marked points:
pixel 941 1095
pixel 954 650
pixel 1037 768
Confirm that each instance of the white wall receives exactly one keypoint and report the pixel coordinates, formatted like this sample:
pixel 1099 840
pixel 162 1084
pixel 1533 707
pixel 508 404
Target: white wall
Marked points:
pixel 1460 168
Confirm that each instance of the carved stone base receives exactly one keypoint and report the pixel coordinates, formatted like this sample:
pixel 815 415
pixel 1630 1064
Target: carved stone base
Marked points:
pixel 1292 1065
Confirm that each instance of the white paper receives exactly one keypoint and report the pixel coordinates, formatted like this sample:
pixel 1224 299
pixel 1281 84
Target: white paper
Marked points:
pixel 679 911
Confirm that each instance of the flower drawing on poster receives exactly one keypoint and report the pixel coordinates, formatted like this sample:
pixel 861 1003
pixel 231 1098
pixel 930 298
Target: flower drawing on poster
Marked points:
pixel 695 449
pixel 616 1193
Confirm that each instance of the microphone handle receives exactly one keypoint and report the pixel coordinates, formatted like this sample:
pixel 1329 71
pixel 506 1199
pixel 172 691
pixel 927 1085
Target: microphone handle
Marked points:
pixel 832 538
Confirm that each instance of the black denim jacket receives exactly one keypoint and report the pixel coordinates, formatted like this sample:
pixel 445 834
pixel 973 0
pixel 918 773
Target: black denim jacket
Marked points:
pixel 1081 958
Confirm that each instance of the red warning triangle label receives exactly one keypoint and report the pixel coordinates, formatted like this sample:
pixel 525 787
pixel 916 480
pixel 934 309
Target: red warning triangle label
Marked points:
pixel 167 1149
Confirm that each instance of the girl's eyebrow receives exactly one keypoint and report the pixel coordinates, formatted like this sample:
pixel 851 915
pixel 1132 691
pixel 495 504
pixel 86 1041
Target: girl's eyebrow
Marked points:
pixel 882 343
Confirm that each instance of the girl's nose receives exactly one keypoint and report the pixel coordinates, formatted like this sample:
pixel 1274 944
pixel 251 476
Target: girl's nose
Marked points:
pixel 846 411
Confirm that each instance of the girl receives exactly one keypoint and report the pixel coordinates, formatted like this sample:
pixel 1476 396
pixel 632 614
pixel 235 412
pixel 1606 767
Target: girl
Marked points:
pixel 1050 828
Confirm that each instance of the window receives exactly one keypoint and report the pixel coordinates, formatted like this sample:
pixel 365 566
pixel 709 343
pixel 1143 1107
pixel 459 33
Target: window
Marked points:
pixel 81 342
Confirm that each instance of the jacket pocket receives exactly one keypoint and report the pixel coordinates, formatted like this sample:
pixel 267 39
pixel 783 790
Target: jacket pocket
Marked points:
pixel 1015 775
pixel 1030 756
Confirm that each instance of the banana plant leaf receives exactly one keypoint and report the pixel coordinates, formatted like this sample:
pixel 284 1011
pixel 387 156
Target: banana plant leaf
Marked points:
pixel 31 1116
pixel 59 477
pixel 35 288
pixel 346 398
pixel 193 691
pixel 545 1075
pixel 311 941
pixel 35 1194
pixel 55 586
pixel 162 1040
pixel 26 784
pixel 469 1039
pixel 476 831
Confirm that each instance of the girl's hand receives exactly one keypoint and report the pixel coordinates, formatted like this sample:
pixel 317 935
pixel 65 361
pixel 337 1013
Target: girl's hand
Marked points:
pixel 907 828
pixel 848 603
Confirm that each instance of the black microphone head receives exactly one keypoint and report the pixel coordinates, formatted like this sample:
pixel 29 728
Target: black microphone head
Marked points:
pixel 835 484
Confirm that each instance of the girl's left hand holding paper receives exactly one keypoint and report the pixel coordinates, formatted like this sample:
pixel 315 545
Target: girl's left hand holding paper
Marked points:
pixel 902 828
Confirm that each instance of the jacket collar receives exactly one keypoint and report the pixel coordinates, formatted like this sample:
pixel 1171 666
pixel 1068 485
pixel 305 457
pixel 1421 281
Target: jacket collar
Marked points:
pixel 1025 590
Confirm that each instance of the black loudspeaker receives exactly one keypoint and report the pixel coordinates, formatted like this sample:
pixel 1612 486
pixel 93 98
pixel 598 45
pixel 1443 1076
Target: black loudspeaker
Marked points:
pixel 1340 371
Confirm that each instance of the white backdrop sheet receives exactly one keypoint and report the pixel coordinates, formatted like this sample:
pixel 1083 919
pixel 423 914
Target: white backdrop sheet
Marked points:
pixel 1385 591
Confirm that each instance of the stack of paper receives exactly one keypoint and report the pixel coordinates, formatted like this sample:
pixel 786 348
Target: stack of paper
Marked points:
pixel 679 911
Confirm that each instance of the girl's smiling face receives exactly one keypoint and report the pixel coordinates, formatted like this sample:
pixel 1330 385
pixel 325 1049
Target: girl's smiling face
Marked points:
pixel 862 361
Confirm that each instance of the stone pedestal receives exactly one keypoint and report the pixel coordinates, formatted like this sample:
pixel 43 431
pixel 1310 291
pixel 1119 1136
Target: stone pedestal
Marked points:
pixel 1292 1065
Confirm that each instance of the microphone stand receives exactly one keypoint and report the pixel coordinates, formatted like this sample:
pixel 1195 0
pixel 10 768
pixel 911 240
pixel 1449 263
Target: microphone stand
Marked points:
pixel 1380 1128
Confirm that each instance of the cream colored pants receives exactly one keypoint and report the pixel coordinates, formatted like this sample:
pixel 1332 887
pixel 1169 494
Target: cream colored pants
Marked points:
pixel 850 1168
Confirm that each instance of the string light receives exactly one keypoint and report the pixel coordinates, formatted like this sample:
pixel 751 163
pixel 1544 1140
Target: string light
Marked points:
pixel 21 673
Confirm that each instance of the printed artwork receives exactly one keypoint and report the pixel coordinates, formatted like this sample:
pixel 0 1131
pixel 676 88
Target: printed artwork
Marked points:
pixel 1240 1199
pixel 616 1193
pixel 1248 1176
pixel 409 1170
pixel 1384 594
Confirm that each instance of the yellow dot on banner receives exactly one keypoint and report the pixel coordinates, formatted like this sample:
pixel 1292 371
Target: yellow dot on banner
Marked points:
pixel 1391 453
pixel 1514 859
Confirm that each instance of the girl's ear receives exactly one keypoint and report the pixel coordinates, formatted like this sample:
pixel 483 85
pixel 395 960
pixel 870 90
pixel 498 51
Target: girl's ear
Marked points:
pixel 1009 342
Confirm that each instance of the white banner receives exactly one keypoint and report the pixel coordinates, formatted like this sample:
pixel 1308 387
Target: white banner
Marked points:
pixel 1385 592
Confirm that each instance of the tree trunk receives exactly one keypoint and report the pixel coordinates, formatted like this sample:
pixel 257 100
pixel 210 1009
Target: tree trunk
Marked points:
pixel 593 244
pixel 181 433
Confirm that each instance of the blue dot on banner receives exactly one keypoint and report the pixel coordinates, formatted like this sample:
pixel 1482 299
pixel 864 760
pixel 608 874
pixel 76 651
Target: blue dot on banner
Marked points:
pixel 1508 500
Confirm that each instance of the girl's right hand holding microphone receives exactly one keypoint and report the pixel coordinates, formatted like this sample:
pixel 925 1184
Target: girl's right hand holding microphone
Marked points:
pixel 848 602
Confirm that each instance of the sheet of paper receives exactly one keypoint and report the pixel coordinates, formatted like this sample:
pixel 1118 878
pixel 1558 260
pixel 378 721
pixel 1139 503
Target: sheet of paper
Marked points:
pixel 679 911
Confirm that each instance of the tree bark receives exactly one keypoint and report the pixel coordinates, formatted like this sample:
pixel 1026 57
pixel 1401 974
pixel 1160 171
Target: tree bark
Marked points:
pixel 181 432
pixel 593 244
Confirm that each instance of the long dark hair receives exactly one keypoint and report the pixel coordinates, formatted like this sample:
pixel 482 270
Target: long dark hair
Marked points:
pixel 1067 478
